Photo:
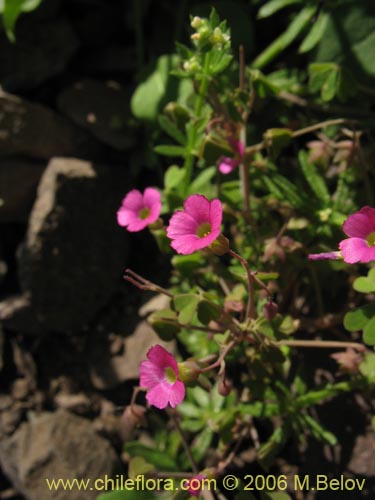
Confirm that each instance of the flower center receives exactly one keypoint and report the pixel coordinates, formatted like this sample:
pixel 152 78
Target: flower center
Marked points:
pixel 144 213
pixel 170 375
pixel 371 239
pixel 204 230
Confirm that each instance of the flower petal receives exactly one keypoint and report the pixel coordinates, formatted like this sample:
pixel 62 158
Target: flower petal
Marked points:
pixel 158 396
pixel 227 165
pixel 356 250
pixel 133 201
pixel 216 215
pixel 187 244
pixel 150 374
pixel 181 224
pixel 162 358
pixel 151 197
pixel 165 393
pixel 360 224
pixel 198 207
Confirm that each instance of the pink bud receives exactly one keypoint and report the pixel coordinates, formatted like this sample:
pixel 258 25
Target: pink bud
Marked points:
pixel 270 310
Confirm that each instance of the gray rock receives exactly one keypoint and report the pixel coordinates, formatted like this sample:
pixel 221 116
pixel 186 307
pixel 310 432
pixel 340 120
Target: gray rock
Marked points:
pixel 33 130
pixel 42 49
pixel 18 183
pixel 108 370
pixel 52 446
pixel 102 108
pixel 74 254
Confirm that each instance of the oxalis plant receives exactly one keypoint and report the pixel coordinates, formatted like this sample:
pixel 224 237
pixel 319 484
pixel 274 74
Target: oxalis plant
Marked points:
pixel 247 297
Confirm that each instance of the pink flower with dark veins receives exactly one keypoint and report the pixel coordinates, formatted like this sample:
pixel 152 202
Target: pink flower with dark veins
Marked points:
pixel 159 375
pixel 229 163
pixel 360 246
pixel 139 210
pixel 197 226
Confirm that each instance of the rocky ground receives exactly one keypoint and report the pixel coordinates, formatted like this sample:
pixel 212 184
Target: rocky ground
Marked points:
pixel 71 338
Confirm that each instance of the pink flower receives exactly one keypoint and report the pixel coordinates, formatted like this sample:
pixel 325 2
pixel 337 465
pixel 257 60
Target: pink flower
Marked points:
pixel 360 246
pixel 160 376
pixel 229 163
pixel 194 485
pixel 139 210
pixel 197 226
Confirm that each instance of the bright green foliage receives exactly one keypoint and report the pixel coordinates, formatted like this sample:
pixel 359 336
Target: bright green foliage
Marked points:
pixel 160 88
pixel 12 9
pixel 365 284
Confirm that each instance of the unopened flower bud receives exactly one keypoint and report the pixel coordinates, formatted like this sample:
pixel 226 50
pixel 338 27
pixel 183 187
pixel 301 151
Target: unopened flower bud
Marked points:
pixel 270 310
pixel 224 386
pixel 188 371
pixel 196 22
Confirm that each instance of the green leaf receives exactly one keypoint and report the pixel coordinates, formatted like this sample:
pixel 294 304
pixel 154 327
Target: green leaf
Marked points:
pixel 274 6
pixel 201 444
pixel 369 332
pixel 158 89
pixel 164 323
pixel 208 311
pixel 186 264
pixel 155 457
pixel 297 26
pixel 315 34
pixel 213 147
pixel 202 181
pixel 315 180
pixel 173 177
pixel 318 431
pixel 284 190
pixel 349 38
pixel 269 450
pixel 201 396
pixel 172 130
pixel 364 285
pixel 367 367
pixel 12 9
pixel 277 139
pixel 167 150
pixel 358 319
pixel 186 305
pixel 190 410
pixel 138 466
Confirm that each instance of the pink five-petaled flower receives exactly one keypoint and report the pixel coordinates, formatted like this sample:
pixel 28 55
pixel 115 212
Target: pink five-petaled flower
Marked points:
pixel 197 226
pixel 160 376
pixel 360 246
pixel 139 210
pixel 229 163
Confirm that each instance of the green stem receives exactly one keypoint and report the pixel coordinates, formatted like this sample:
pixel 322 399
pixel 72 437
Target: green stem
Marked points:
pixel 188 165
